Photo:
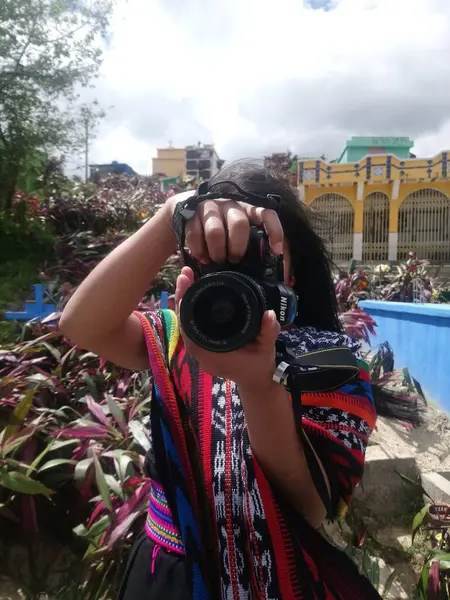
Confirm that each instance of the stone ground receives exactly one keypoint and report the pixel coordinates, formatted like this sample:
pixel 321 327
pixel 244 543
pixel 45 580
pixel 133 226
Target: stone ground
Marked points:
pixel 430 444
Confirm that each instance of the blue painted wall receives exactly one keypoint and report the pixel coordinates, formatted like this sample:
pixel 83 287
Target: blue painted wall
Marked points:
pixel 420 337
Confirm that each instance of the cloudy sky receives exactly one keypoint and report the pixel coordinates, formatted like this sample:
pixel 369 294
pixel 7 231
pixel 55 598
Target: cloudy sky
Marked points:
pixel 257 76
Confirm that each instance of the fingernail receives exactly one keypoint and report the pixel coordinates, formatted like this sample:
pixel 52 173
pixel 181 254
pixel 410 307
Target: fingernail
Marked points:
pixel 278 248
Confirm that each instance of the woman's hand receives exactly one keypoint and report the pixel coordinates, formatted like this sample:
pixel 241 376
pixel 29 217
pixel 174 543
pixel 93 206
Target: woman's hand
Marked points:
pixel 220 230
pixel 251 367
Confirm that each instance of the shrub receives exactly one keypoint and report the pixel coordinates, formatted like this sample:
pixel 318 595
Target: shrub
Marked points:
pixel 24 236
pixel 74 436
pixel 117 203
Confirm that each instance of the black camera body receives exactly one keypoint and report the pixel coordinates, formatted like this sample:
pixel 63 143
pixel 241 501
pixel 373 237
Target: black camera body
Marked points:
pixel 222 310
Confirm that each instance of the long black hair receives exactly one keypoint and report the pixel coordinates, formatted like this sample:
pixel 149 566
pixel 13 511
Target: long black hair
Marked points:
pixel 310 262
pixel 312 268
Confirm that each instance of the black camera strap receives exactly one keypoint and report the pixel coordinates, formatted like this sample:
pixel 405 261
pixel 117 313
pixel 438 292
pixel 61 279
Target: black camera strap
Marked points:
pixel 323 370
pixel 319 371
pixel 185 210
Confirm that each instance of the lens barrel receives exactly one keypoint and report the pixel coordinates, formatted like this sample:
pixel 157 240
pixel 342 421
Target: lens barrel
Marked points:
pixel 222 312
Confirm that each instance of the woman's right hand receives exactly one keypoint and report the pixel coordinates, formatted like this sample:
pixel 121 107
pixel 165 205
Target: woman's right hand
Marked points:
pixel 220 229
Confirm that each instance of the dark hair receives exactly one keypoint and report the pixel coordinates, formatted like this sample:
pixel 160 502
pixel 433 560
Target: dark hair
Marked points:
pixel 311 263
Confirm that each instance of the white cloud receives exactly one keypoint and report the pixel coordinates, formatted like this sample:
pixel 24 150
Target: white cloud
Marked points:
pixel 257 75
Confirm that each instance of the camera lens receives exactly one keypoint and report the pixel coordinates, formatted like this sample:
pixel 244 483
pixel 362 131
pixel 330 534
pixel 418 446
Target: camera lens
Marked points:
pixel 222 311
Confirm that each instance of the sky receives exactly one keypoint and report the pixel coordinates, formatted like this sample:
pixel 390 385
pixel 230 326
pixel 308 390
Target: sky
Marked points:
pixel 261 76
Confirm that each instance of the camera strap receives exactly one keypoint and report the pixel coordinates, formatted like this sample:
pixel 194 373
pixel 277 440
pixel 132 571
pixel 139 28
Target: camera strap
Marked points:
pixel 185 210
pixel 319 371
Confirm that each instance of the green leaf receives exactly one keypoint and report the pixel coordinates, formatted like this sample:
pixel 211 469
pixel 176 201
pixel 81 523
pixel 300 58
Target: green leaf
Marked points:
pixel 389 583
pixel 423 583
pixel 82 468
pixel 101 484
pixel 53 351
pixel 97 528
pixel 418 520
pixel 56 462
pixel 114 486
pixel 39 458
pixel 124 466
pixel 57 444
pixel 18 482
pixel 91 386
pixel 117 413
pixel 18 415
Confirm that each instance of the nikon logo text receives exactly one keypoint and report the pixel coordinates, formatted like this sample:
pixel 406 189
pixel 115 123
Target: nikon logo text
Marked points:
pixel 283 309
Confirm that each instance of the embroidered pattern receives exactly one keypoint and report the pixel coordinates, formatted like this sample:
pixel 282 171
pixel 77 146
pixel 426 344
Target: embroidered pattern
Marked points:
pixel 241 540
pixel 159 524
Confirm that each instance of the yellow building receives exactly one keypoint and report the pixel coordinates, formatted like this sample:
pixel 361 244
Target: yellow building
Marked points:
pixel 169 161
pixel 382 206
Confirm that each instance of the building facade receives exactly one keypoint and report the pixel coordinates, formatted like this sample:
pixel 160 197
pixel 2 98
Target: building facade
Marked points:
pixel 202 161
pixel 382 206
pixel 170 162
pixel 197 162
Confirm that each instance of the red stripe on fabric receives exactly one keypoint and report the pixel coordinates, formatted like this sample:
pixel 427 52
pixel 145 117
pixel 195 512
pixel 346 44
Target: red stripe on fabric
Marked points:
pixel 205 384
pixel 229 492
pixel 347 428
pixel 258 578
pixel 364 374
pixel 285 576
pixel 205 428
pixel 338 400
pixel 165 388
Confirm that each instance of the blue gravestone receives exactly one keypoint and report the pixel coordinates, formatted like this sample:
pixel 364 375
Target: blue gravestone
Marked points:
pixel 164 301
pixel 35 309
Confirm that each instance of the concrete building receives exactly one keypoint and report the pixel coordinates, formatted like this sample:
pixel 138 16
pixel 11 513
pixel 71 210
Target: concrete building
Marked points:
pixel 379 207
pixel 170 162
pixel 202 161
pixel 359 147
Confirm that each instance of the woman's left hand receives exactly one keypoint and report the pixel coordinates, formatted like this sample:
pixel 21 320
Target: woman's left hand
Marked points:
pixel 252 366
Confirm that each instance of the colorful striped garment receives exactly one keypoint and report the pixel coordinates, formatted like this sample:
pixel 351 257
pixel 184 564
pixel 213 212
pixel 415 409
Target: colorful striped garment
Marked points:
pixel 241 540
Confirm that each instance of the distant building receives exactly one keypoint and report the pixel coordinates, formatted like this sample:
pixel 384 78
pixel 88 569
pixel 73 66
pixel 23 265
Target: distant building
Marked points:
pixel 202 161
pixel 379 201
pixel 359 147
pixel 198 162
pixel 170 162
pixel 97 172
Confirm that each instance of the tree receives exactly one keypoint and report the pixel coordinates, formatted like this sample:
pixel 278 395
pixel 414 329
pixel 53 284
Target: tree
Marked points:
pixel 49 51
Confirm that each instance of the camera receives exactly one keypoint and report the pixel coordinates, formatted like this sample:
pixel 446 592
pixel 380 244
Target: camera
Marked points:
pixel 222 310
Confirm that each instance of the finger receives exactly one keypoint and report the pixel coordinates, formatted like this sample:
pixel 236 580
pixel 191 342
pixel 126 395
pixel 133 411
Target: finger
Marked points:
pixel 238 229
pixel 214 230
pixel 189 274
pixel 268 219
pixel 183 283
pixel 195 239
pixel 270 329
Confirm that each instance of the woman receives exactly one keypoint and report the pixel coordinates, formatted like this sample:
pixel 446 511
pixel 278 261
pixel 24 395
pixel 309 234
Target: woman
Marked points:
pixel 243 475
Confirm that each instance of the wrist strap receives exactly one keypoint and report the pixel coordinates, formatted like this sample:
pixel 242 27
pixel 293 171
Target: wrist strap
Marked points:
pixel 319 371
pixel 185 210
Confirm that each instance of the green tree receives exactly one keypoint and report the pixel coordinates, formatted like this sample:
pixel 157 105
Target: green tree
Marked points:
pixel 49 51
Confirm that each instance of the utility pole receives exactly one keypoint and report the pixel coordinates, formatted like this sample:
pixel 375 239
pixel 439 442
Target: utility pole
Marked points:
pixel 86 150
